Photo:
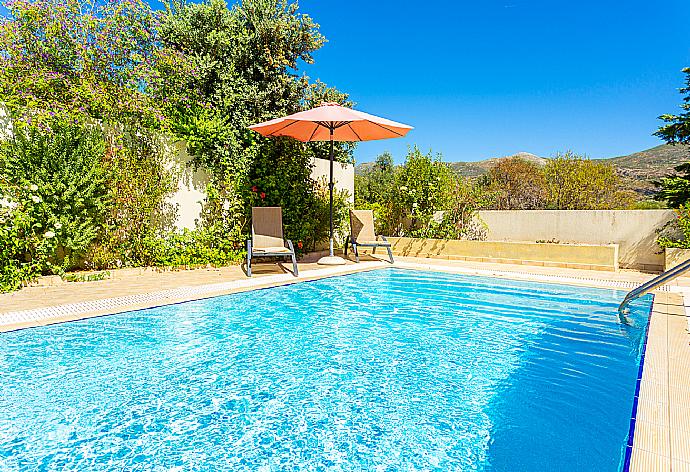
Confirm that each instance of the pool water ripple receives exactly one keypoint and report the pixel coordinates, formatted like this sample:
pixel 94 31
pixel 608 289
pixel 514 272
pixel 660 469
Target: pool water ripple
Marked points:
pixel 383 370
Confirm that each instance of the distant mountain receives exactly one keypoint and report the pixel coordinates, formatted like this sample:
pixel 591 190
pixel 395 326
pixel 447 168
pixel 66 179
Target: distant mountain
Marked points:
pixel 641 168
pixel 475 169
pixel 637 169
pixel 652 163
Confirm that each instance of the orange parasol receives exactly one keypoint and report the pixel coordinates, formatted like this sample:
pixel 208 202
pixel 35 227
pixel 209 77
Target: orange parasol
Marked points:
pixel 332 122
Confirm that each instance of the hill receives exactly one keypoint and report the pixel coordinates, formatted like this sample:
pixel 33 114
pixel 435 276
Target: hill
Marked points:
pixel 637 169
pixel 475 169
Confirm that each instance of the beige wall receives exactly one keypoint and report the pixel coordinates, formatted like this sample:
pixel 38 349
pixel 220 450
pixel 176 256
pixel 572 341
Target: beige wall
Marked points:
pixel 633 230
pixel 191 188
pixel 575 256
pixel 343 175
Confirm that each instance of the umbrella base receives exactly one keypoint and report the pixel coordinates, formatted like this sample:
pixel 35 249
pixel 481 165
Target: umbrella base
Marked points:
pixel 332 260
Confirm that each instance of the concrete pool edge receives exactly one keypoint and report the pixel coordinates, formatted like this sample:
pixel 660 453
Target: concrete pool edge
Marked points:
pixel 25 319
pixel 661 438
pixel 14 320
pixel 627 455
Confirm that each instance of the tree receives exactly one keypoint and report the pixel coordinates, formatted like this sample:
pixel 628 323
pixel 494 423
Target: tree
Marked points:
pixel 423 185
pixel 576 183
pixel 373 183
pixel 86 59
pixel 247 57
pixel 675 188
pixel 677 129
pixel 517 184
pixel 94 64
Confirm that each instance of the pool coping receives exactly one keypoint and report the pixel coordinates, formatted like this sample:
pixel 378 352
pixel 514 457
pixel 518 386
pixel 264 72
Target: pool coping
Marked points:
pixel 26 319
pixel 660 423
pixel 627 456
pixel 22 319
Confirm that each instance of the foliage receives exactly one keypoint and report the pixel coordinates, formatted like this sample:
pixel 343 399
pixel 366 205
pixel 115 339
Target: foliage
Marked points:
pixel 459 220
pixel 25 244
pixel 86 59
pixel 374 182
pixel 95 277
pixel 63 168
pixel 649 205
pixel 118 78
pixel 88 85
pixel 189 248
pixel 576 183
pixel 247 57
pixel 423 184
pixel 516 184
pixel 675 188
pixel 677 234
pixel 677 129
pixel 141 182
pixel 421 198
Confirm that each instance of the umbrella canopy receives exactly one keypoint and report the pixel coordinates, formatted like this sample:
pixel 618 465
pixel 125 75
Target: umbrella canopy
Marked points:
pixel 332 122
pixel 346 124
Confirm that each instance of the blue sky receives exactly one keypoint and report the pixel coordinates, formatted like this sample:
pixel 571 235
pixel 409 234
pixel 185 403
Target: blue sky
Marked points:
pixel 486 78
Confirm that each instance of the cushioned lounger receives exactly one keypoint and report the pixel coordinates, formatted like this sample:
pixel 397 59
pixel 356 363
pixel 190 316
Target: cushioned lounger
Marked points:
pixel 267 237
pixel 362 233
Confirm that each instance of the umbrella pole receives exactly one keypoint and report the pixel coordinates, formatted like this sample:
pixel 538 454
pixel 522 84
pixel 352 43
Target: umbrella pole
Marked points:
pixel 331 259
pixel 330 186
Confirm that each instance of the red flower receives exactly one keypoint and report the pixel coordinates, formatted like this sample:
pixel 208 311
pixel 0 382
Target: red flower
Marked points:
pixel 262 195
pixel 299 244
pixel 254 188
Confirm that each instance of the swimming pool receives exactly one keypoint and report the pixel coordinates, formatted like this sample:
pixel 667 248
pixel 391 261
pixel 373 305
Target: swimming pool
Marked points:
pixel 383 370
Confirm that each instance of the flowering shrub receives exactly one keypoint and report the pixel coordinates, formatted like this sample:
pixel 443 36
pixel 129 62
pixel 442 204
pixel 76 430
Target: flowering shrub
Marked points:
pixel 25 244
pixel 62 166
pixel 86 59
pixel 92 86
pixel 422 198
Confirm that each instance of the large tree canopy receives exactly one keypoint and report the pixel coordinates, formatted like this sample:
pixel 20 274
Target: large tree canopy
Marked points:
pixel 247 58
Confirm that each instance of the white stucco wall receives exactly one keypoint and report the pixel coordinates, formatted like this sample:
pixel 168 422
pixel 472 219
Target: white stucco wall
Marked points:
pixel 191 187
pixel 343 175
pixel 635 231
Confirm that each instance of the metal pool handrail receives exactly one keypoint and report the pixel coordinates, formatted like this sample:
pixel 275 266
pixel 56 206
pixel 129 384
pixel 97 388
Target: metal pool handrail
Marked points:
pixel 647 287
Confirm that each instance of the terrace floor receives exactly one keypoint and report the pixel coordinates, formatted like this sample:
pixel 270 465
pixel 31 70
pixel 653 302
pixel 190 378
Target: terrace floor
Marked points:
pixel 662 420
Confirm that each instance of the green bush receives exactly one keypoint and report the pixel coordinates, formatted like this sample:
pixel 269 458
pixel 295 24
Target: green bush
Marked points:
pixel 97 198
pixel 62 168
pixel 677 232
pixel 25 245
pixel 190 248
pixel 405 199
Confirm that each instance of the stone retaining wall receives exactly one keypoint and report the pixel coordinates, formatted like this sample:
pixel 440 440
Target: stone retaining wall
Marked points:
pixel 574 256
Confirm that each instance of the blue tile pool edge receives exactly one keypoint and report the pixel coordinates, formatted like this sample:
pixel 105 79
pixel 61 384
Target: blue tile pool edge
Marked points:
pixel 633 415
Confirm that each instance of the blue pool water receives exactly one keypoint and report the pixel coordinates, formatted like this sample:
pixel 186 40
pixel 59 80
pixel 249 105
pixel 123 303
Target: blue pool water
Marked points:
pixel 384 370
